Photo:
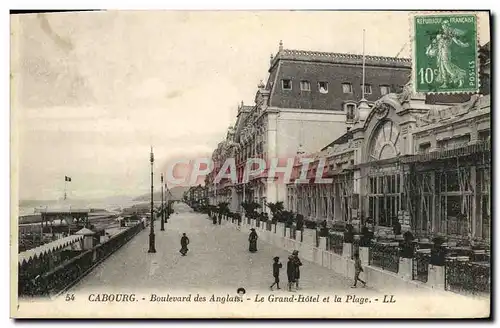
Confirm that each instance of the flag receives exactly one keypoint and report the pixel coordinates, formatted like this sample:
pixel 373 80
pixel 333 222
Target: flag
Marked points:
pixel 67 179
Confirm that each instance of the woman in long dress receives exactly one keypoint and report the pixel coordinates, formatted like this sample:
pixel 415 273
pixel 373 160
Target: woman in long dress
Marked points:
pixel 252 238
pixel 297 265
pixel 184 243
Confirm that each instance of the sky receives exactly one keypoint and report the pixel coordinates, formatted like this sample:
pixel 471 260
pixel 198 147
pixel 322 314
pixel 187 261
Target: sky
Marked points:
pixel 92 91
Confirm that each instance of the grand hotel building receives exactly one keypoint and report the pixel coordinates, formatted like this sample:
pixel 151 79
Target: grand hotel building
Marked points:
pixel 423 160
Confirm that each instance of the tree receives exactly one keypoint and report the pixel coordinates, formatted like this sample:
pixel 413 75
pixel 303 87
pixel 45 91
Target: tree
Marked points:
pixel 276 210
pixel 223 208
pixel 250 209
pixel 287 217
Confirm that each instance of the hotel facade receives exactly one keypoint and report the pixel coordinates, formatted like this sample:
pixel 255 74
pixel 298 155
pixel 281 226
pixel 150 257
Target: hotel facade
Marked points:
pixel 422 160
pixel 309 99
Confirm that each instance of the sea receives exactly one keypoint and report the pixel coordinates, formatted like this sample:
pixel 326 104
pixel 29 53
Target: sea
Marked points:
pixel 29 207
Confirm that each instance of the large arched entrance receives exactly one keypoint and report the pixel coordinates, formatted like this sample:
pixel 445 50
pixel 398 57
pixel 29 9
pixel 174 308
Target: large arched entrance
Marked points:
pixel 384 183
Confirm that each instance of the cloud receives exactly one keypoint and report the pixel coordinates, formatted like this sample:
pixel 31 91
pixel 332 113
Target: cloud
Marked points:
pixel 95 89
pixel 174 94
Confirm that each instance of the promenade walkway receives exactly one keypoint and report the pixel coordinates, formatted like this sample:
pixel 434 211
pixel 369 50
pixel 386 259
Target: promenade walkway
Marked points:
pixel 218 259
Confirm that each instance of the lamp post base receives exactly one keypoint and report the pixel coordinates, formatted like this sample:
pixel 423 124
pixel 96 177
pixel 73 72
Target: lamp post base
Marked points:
pixel 152 248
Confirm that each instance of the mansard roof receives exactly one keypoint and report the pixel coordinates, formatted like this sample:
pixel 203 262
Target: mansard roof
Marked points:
pixel 334 69
pixel 339 58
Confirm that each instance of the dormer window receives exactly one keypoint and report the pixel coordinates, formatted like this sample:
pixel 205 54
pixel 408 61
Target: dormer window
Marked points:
pixel 368 89
pixel 323 87
pixel 350 110
pixel 305 86
pixel 286 84
pixel 385 89
pixel 346 87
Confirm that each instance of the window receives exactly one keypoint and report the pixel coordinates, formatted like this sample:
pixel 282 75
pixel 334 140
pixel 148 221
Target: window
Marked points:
pixel 323 87
pixel 384 89
pixel 454 142
pixel 484 135
pixel 286 84
pixel 384 201
pixel 350 111
pixel 346 87
pixel 368 89
pixel 305 86
pixel 424 148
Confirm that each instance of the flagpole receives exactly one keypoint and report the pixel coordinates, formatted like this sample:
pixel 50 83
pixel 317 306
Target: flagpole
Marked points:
pixel 363 89
pixel 65 184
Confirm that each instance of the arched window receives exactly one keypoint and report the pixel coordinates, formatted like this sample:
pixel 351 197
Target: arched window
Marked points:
pixel 385 142
pixel 350 110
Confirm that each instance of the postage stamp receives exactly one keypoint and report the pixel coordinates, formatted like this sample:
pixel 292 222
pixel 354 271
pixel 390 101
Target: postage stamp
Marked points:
pixel 154 177
pixel 445 53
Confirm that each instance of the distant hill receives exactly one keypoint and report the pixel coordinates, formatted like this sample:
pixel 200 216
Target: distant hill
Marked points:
pixel 177 193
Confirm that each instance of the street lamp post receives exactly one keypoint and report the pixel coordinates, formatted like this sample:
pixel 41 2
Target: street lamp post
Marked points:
pixel 167 203
pixel 162 207
pixel 152 248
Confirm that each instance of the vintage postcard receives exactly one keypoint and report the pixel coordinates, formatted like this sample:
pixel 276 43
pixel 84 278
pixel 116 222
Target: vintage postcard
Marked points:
pixel 251 164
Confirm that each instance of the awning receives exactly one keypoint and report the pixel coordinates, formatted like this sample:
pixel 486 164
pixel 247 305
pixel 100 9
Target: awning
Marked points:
pixel 26 256
pixel 481 147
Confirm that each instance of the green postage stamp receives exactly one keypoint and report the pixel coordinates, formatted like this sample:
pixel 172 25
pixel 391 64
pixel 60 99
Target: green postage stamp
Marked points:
pixel 445 53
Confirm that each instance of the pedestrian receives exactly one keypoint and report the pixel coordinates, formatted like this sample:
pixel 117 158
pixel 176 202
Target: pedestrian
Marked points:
pixel 357 270
pixel 276 272
pixel 297 264
pixel 214 218
pixel 252 238
pixel 241 291
pixel 290 272
pixel 184 243
pixel 220 218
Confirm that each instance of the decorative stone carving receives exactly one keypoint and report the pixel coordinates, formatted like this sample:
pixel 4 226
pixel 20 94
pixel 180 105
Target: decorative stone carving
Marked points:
pixel 430 117
pixel 407 92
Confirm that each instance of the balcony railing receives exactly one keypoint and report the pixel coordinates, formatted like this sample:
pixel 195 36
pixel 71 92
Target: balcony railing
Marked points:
pixel 467 277
pixel 384 257
pixel 421 266
pixel 335 243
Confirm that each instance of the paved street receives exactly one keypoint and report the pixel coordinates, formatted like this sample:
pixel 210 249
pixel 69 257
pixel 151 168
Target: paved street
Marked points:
pixel 218 260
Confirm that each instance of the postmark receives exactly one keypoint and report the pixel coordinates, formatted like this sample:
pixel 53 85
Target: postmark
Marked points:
pixel 445 53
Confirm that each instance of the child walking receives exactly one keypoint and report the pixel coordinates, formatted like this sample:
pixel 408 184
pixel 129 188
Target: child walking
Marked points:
pixel 357 270
pixel 276 272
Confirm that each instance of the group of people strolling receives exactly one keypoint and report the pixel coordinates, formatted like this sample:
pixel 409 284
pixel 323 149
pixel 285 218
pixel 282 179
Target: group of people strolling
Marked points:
pixel 292 267
pixel 292 271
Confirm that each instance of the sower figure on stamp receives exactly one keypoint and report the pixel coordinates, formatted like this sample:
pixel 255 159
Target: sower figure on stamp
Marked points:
pixel 184 243
pixel 440 48
pixel 290 272
pixel 252 238
pixel 276 272
pixel 357 270
pixel 297 264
